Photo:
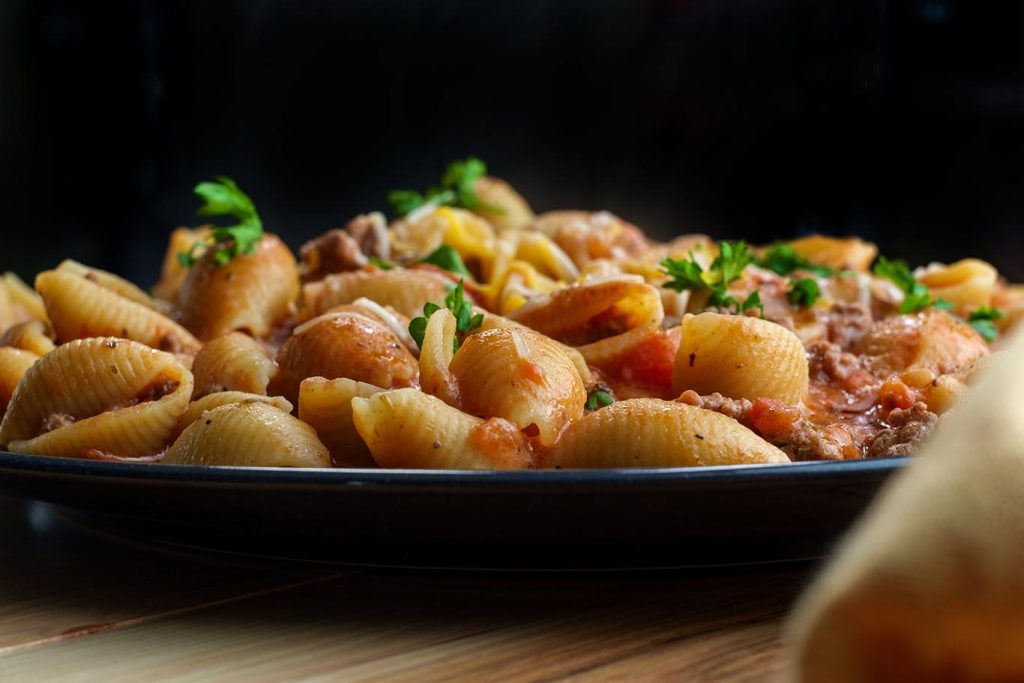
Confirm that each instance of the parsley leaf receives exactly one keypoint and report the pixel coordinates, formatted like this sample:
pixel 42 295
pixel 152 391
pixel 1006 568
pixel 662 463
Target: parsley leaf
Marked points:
pixel 455 302
pixel 782 259
pixel 752 301
pixel 983 320
pixel 381 263
pixel 916 295
pixel 225 198
pixel 683 274
pixel 598 397
pixel 457 189
pixel 447 258
pixel 803 292
pixel 727 267
pixel 405 202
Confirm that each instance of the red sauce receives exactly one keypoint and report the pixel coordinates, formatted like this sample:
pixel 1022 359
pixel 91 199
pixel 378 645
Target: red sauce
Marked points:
pixel 649 364
pixel 504 444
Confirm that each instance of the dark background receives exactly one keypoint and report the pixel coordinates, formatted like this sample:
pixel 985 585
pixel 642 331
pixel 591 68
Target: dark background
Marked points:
pixel 900 121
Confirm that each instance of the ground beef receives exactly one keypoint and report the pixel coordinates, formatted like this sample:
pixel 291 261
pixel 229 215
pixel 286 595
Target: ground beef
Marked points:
pixel 55 421
pixel 782 426
pixel 333 252
pixel 907 428
pixel 736 408
pixel 828 363
pixel 847 323
pixel 806 440
pixel 371 234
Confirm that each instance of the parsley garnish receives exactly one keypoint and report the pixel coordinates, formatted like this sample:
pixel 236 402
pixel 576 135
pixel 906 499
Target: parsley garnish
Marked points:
pixel 457 189
pixel 916 295
pixel 803 292
pixel 728 266
pixel 782 259
pixel 983 320
pixel 460 308
pixel 381 263
pixel 446 257
pixel 598 398
pixel 224 198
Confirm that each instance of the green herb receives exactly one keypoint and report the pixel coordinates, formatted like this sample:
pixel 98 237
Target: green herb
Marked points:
pixel 457 189
pixel 456 303
pixel 598 398
pixel 405 202
pixel 782 259
pixel 983 320
pixel 943 304
pixel 752 301
pixel 803 292
pixel 381 263
pixel 446 257
pixel 727 267
pixel 916 295
pixel 224 198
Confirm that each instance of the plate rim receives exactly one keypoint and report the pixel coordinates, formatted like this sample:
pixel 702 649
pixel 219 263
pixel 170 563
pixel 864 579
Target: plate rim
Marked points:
pixel 624 478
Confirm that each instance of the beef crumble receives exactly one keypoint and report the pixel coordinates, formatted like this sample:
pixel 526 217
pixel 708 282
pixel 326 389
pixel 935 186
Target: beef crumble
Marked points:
pixel 907 429
pixel 847 323
pixel 736 408
pixel 333 252
pixel 828 362
pixel 783 426
pixel 370 231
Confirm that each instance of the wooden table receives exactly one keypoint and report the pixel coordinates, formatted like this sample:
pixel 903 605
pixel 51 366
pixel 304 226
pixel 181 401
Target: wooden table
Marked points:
pixel 79 604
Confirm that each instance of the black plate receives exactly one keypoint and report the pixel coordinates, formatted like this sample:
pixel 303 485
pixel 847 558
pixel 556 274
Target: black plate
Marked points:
pixel 585 519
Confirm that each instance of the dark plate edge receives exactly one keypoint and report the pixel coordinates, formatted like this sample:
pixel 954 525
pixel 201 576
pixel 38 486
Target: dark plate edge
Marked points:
pixel 449 479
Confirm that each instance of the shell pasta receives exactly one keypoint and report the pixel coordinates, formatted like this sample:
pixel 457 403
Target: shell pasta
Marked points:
pixel 469 332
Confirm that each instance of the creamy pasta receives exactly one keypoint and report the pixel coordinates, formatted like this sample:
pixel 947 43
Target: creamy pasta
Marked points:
pixel 469 332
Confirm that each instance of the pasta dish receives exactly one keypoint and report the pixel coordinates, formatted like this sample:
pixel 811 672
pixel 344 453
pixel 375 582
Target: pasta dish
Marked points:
pixel 468 332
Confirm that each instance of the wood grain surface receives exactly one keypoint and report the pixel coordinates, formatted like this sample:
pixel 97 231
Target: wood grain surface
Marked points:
pixel 77 604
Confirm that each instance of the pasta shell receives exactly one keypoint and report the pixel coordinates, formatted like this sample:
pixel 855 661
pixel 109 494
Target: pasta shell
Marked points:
pixel 592 310
pixel 424 230
pixel 406 428
pixel 516 283
pixel 740 357
pixel 586 236
pixel 647 432
pixel 847 253
pixel 436 356
pixel 35 336
pixel 404 290
pixel 233 362
pixel 79 308
pixel 111 395
pixel 199 406
pixel 392 319
pixel 248 434
pixel 26 303
pixel 520 376
pixel 14 363
pixel 515 212
pixel 252 293
pixel 326 405
pixel 173 274
pixel 497 322
pixel 344 344
pixel 112 282
pixel 967 284
pixel 930 339
pixel 1010 300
